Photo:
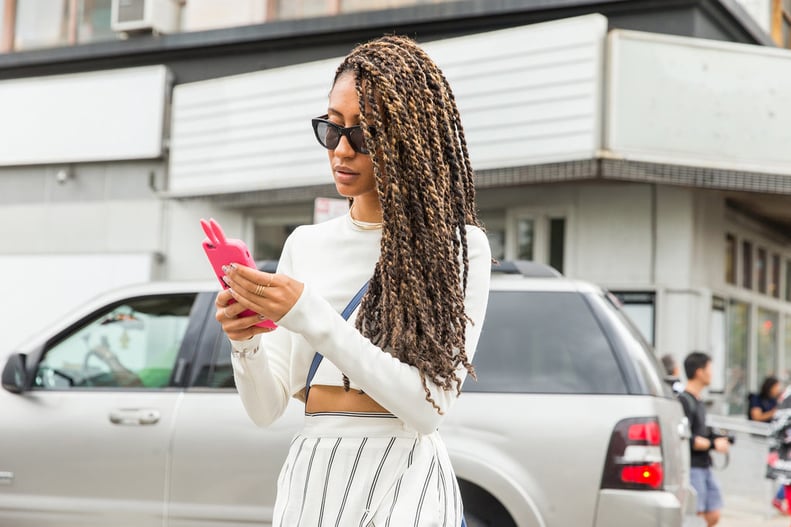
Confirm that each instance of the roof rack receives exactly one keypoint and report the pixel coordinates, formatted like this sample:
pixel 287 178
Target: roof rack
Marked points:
pixel 526 268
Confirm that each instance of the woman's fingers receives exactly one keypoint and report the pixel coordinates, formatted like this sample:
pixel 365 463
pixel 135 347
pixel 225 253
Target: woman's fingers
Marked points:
pixel 228 310
pixel 249 283
pixel 272 295
pixel 244 328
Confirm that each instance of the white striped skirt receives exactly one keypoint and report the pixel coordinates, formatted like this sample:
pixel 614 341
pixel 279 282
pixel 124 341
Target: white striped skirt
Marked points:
pixel 360 470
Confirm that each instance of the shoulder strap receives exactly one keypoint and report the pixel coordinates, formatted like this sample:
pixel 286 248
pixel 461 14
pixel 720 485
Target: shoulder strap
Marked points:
pixel 347 312
pixel 689 402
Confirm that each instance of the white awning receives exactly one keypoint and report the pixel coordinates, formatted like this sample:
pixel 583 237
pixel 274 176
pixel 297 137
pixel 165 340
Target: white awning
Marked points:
pixel 84 117
pixel 526 95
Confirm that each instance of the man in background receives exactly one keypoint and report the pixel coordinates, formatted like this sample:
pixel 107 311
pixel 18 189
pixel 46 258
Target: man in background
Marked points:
pixel 697 367
pixel 672 374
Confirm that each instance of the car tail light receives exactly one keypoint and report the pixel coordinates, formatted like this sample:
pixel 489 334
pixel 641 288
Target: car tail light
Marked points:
pixel 634 457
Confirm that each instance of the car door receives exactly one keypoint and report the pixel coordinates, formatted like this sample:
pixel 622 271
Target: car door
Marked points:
pixel 88 443
pixel 224 467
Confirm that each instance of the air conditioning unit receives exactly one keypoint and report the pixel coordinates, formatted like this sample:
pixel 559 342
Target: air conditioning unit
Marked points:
pixel 141 16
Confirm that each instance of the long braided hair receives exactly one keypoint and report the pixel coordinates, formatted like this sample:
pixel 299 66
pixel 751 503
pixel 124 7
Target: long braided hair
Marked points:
pixel 414 307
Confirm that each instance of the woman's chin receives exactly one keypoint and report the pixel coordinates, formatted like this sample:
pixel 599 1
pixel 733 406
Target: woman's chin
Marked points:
pixel 350 191
pixel 344 190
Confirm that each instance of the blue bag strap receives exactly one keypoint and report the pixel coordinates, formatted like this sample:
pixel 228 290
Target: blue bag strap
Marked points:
pixel 347 312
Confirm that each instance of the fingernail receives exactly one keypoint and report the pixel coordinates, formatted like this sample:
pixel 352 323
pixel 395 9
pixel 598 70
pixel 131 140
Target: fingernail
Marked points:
pixel 225 269
pixel 226 280
pixel 232 266
pixel 232 291
pixel 261 317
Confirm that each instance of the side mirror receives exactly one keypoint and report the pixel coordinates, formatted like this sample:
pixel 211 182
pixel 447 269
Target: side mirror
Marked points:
pixel 15 377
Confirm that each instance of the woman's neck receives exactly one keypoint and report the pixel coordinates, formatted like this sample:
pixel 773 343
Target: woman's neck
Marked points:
pixel 361 211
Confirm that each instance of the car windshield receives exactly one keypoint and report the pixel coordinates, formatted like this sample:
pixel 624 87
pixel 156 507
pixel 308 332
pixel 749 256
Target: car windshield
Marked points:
pixel 544 342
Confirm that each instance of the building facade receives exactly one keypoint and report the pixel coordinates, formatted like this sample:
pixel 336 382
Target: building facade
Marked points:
pixel 638 145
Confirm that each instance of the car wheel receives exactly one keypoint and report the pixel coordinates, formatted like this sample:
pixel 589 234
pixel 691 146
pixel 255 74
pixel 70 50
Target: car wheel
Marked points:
pixel 481 509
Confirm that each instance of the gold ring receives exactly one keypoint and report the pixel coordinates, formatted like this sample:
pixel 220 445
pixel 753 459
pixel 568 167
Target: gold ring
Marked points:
pixel 261 289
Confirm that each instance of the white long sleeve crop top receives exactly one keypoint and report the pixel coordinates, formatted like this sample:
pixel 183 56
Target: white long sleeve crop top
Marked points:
pixel 333 259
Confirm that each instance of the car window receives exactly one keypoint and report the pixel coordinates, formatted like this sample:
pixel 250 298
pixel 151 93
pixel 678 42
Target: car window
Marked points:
pixel 640 352
pixel 218 371
pixel 543 342
pixel 130 345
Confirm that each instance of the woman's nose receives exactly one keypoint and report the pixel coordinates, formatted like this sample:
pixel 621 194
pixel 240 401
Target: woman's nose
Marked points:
pixel 344 148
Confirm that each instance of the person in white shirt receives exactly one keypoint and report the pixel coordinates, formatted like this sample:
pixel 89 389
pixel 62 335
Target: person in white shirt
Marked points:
pixel 369 452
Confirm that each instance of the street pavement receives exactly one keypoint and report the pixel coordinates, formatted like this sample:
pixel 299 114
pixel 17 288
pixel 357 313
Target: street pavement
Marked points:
pixel 743 511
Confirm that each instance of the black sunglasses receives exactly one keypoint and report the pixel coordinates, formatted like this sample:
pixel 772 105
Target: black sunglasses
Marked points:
pixel 329 134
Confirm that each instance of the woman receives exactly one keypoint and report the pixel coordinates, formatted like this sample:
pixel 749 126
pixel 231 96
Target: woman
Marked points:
pixel 762 407
pixel 369 452
pixel 764 404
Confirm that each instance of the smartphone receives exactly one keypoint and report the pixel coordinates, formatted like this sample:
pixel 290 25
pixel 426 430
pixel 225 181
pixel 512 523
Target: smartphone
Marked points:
pixel 222 251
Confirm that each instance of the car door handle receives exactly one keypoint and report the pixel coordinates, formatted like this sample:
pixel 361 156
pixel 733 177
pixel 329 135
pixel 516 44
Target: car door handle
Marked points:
pixel 134 416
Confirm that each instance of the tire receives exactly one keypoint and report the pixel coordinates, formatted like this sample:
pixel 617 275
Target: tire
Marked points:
pixel 481 509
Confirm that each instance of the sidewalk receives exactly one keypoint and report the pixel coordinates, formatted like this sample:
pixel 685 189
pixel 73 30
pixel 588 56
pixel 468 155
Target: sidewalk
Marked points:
pixel 735 519
pixel 750 512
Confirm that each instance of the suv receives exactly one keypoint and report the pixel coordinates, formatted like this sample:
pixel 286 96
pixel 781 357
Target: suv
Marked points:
pixel 126 414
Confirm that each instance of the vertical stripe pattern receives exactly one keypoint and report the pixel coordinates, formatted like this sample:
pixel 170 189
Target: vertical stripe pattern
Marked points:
pixel 365 471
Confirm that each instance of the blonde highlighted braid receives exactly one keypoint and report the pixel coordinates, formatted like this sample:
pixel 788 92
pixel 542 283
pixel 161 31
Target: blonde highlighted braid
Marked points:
pixel 414 307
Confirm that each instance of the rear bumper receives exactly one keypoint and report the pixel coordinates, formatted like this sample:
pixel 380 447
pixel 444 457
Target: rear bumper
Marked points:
pixel 627 508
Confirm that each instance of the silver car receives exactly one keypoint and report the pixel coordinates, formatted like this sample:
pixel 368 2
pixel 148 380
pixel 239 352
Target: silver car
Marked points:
pixel 126 414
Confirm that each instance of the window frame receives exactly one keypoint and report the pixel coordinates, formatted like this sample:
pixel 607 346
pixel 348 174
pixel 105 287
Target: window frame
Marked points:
pixel 181 359
pixel 542 218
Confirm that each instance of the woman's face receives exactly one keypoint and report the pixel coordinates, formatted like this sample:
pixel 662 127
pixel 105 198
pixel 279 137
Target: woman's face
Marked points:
pixel 775 391
pixel 353 172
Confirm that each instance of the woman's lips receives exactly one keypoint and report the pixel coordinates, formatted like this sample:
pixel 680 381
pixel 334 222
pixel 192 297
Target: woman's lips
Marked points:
pixel 345 175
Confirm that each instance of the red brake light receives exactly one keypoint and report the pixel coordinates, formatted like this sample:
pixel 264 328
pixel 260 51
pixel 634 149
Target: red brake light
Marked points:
pixel 634 458
pixel 650 475
pixel 648 431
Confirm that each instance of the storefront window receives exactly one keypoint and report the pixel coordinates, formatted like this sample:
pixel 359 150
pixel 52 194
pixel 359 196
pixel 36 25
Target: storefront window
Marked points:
pixel 276 223
pixel 640 308
pixel 494 221
pixel 747 265
pixel 94 21
pixel 774 284
pixel 761 264
pixel 557 242
pixel 766 356
pixel 41 24
pixel 788 280
pixel 525 232
pixel 730 259
pixel 718 336
pixel 736 368
pixel 269 240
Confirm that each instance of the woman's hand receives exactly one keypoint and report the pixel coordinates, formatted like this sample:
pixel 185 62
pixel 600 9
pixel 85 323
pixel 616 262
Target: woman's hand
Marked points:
pixel 269 295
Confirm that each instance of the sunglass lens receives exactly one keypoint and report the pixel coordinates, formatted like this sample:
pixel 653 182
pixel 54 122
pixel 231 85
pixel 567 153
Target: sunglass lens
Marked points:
pixel 357 139
pixel 327 135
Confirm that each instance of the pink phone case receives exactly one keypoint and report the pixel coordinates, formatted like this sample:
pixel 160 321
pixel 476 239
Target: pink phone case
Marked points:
pixel 223 251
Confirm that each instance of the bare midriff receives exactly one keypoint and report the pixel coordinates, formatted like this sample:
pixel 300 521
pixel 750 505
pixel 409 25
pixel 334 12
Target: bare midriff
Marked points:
pixel 337 399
